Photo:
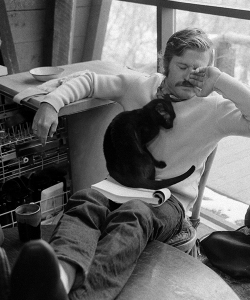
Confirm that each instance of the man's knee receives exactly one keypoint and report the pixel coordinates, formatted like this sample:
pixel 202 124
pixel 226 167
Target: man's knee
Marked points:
pixel 139 210
pixel 86 195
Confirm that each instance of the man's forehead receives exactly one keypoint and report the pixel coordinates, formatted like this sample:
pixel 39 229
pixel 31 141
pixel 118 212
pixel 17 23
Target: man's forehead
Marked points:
pixel 193 58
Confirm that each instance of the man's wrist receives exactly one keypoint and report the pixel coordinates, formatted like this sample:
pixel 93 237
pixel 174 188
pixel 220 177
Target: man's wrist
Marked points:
pixel 49 105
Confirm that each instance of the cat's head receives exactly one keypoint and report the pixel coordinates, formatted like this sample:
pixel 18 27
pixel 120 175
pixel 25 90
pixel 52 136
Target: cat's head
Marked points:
pixel 164 112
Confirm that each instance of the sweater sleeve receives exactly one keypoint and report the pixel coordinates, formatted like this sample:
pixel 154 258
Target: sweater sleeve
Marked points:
pixel 232 89
pixel 90 84
pixel 233 110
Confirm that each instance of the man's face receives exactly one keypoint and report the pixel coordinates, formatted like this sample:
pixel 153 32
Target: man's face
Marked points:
pixel 179 70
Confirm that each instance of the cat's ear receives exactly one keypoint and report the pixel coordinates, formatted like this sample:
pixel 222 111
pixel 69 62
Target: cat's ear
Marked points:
pixel 168 107
pixel 160 109
pixel 167 115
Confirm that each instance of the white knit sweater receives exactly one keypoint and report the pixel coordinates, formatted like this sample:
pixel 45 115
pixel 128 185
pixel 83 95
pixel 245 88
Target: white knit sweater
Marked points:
pixel 200 122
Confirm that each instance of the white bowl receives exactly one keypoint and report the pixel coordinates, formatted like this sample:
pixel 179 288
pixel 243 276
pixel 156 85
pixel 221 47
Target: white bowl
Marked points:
pixel 46 73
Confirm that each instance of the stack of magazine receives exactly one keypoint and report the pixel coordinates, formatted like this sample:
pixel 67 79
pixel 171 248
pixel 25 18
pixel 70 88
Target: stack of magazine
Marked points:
pixel 120 194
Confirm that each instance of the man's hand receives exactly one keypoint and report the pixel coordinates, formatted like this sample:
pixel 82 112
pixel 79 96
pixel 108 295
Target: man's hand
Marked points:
pixel 204 80
pixel 45 122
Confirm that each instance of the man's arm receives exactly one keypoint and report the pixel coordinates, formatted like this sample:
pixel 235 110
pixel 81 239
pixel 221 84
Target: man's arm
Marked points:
pixel 211 79
pixel 234 119
pixel 88 85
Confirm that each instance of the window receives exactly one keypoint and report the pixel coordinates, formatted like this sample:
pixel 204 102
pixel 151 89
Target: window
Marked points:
pixel 231 38
pixel 131 35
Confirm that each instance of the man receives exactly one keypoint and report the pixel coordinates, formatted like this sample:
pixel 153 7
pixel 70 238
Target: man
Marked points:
pixel 97 242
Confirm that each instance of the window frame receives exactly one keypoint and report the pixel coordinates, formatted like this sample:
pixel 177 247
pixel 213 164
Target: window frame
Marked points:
pixel 166 16
pixel 199 8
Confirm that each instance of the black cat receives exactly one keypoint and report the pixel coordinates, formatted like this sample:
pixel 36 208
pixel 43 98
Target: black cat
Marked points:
pixel 125 146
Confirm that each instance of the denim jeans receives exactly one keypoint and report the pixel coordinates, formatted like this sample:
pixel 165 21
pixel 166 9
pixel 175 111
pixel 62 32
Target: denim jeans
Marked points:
pixel 105 239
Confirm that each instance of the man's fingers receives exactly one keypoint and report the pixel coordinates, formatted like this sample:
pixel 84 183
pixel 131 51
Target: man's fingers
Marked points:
pixel 34 128
pixel 43 141
pixel 198 92
pixel 196 83
pixel 52 129
pixel 45 122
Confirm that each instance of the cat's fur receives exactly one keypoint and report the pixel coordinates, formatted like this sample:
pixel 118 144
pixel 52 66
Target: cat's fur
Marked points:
pixel 125 146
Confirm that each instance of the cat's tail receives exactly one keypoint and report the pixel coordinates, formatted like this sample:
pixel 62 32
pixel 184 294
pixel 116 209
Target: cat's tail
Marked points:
pixel 161 184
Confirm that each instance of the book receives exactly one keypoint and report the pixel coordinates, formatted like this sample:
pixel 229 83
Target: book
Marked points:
pixel 120 194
